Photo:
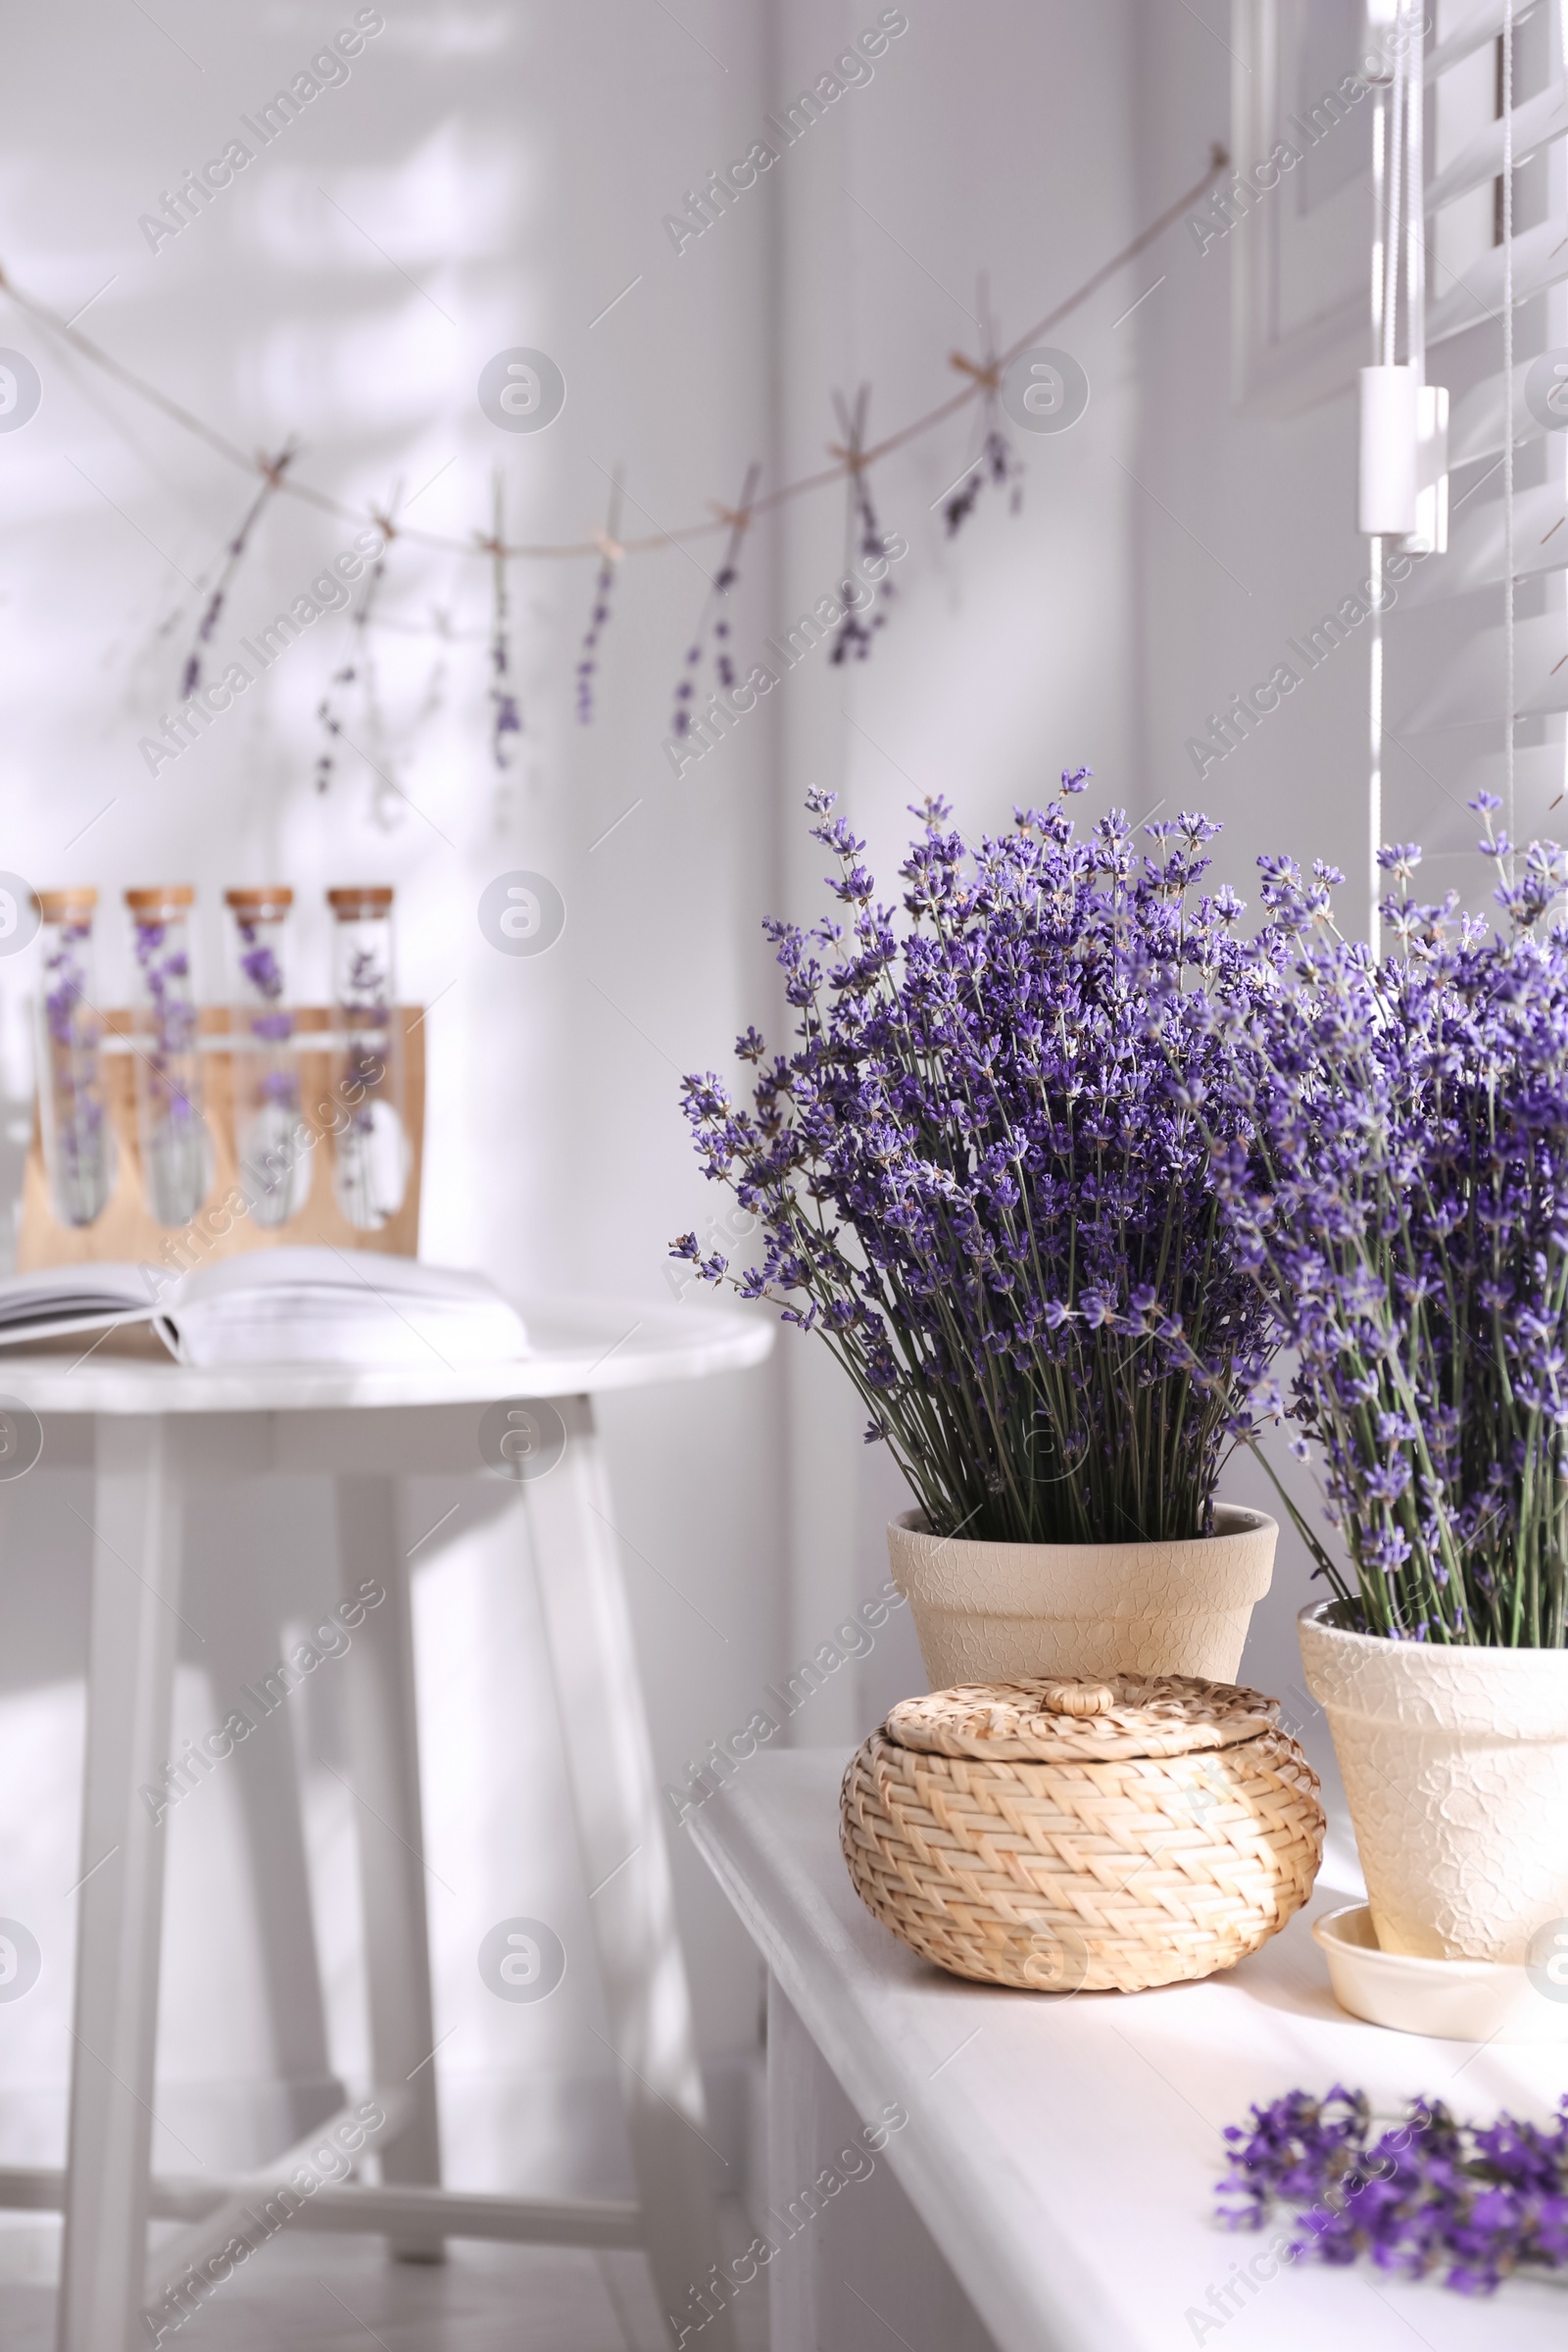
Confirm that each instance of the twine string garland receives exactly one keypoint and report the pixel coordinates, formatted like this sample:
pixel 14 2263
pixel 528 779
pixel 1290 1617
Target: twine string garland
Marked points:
pixel 287 483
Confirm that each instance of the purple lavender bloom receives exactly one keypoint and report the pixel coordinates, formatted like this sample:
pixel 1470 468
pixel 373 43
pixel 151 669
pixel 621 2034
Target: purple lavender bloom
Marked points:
pixel 278 1082
pixel 603 585
pixel 175 1149
pixel 364 1010
pixel 258 964
pixel 174 1018
pixel 76 1140
pixel 987 1173
pixel 1411 1228
pixel 999 464
pixel 1428 2196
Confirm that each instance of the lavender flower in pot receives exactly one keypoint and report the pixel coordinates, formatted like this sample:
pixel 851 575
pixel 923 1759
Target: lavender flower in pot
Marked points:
pixel 1412 1230
pixel 983 1177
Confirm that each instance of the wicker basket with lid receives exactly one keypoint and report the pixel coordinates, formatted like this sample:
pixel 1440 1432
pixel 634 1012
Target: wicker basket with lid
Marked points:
pixel 1067 1835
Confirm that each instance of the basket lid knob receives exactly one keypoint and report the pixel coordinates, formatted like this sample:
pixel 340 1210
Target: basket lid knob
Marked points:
pixel 1077 1698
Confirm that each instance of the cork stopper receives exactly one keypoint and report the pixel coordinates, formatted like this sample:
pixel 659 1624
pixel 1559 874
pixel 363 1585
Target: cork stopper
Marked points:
pixel 165 898
pixel 269 898
pixel 71 905
pixel 355 898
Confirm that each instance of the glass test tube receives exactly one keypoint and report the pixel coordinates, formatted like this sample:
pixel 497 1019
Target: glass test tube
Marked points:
pixel 78 1142
pixel 177 1151
pixel 274 1170
pixel 372 1163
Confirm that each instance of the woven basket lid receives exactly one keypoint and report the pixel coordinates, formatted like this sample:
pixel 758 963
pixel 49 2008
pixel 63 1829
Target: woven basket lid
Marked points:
pixel 1127 1715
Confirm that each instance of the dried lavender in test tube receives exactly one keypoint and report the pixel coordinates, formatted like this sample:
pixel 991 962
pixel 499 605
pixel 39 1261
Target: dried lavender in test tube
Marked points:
pixel 274 1171
pixel 177 1151
pixel 78 1144
pixel 372 1163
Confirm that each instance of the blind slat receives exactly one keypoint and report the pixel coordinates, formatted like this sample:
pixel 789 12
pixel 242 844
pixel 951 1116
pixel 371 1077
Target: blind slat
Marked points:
pixel 1475 429
pixel 1482 25
pixel 1540 260
pixel 1475 547
pixel 1471 687
pixel 1447 733
pixel 1431 782
pixel 1535 123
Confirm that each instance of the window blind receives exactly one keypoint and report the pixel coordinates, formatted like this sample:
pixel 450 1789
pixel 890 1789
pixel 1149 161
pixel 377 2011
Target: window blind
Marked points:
pixel 1470 672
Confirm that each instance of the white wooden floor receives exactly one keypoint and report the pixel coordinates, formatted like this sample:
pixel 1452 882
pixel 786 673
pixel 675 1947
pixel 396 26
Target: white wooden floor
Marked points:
pixel 314 2293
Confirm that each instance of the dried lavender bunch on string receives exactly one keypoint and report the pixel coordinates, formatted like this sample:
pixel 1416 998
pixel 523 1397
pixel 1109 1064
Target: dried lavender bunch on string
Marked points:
pixel 505 718
pixel 1471 2202
pixel 998 464
pixel 272 470
pixel 355 663
pixel 1412 1234
pixel 610 552
pixel 590 645
pixel 326 712
pixel 863 536
pixel 714 619
pixel 982 1174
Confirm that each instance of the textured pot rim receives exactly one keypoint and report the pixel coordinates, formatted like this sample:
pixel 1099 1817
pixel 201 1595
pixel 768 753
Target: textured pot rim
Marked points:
pixel 1240 1523
pixel 1454 1693
pixel 1417 1654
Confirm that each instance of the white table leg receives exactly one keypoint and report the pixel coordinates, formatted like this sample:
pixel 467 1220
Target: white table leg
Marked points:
pixel 620 1830
pixel 383 1732
pixel 130 1671
pixel 854 2265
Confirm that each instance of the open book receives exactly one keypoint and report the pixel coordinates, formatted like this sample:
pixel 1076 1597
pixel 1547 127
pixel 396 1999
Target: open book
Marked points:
pixel 268 1307
pixel 67 1299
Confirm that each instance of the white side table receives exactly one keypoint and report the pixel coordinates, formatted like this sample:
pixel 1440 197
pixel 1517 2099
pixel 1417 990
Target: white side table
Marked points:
pixel 148 1430
pixel 1052 2186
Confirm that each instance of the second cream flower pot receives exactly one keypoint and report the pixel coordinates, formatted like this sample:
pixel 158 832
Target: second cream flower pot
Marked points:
pixel 1008 1612
pixel 1455 1765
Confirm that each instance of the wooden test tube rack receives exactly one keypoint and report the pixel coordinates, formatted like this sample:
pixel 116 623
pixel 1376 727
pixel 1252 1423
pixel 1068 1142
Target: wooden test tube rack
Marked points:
pixel 220 1227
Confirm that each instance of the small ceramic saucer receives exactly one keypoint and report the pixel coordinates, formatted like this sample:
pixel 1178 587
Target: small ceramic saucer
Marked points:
pixel 1457 2001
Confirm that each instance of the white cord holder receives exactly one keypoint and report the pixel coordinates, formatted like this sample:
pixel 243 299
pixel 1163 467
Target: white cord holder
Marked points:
pixel 1390 431
pixel 1403 487
pixel 1431 534
pixel 1382 25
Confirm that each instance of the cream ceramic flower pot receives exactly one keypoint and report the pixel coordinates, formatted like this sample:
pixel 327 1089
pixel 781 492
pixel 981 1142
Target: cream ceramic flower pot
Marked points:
pixel 1455 1764
pixel 1003 1612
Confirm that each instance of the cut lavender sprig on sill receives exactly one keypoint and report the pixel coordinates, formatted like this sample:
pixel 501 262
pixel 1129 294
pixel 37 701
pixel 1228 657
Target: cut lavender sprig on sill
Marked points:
pixel 1429 2196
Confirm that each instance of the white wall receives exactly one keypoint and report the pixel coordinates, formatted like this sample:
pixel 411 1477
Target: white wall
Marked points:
pixel 1002 142
pixel 1245 533
pixel 1247 536
pixel 514 163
